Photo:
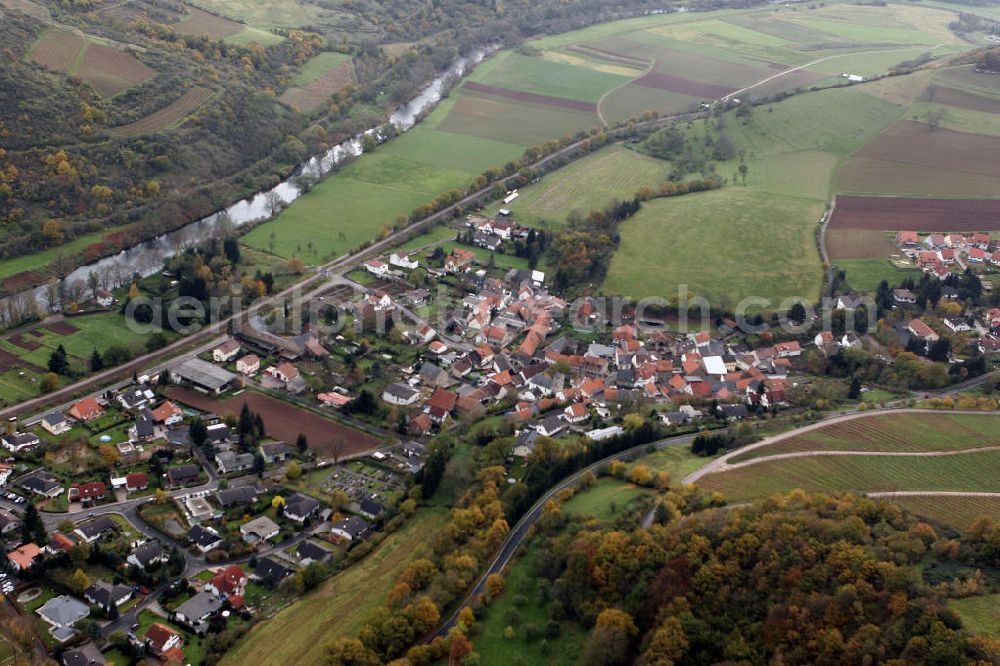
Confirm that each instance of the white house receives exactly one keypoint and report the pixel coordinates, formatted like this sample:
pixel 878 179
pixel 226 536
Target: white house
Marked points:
pixel 376 267
pixel 400 394
pixel 379 300
pixel 20 441
pixel 55 423
pixel 226 352
pixel 402 260
pixel 105 298
pixel 248 365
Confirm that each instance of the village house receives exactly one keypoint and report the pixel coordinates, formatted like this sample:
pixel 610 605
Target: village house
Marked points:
pixel 164 642
pixel 105 298
pixel 922 331
pixel 167 413
pixel 87 493
pixel 197 609
pixel 269 572
pixel 136 481
pixel 55 423
pixel 135 398
pixel 19 442
pixel 301 508
pixel 227 351
pixel 403 260
pixel 62 613
pixel 957 324
pixel 400 394
pixel 229 462
pixel 907 240
pixel 183 475
pixel 86 410
pixel 107 595
pixel 204 538
pixel 261 528
pixel 24 556
pixel 904 296
pixel 147 555
pixel 376 268
pixel 275 452
pixel 350 528
pixel 459 260
pixel 248 365
pixel 283 372
pixel 231 580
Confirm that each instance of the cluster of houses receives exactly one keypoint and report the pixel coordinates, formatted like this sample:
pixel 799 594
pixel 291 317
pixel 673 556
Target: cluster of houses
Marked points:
pixel 505 352
pixel 935 254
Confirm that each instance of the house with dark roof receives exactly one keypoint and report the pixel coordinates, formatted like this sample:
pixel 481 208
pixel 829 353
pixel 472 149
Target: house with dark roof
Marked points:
pixel 268 572
pixel 86 655
pixel 300 507
pixel 107 595
pixel 62 613
pixel 95 529
pixel 183 475
pixel 229 462
pixel 18 442
pixel 147 554
pixel 308 552
pixel 42 483
pixel 197 609
pixel 350 528
pixel 369 508
pixel 204 538
pixel 55 423
pixel 239 496
pixel 275 452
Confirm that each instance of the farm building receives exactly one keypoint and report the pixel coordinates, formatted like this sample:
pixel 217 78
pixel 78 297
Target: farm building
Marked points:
pixel 203 375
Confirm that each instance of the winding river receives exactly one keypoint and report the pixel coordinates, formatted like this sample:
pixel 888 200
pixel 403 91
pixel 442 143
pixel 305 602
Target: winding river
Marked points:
pixel 147 257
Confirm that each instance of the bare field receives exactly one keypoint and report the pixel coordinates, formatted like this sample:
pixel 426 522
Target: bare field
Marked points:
pixel 899 213
pixel 57 50
pixel 858 244
pixel 200 23
pixel 311 96
pixel 962 99
pixel 285 421
pixel 111 71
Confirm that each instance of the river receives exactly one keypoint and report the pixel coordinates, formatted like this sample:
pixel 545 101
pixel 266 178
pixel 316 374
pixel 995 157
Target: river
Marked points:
pixel 147 257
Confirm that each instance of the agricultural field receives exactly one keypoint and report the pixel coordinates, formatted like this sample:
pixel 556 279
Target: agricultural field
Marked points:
pixel 896 452
pixel 340 605
pixel 109 70
pixel 167 117
pixel 959 512
pixel 320 77
pixel 915 214
pixel 610 174
pixel 916 159
pixel 285 421
pixel 199 23
pixel 677 241
pixel 891 432
pixel 564 84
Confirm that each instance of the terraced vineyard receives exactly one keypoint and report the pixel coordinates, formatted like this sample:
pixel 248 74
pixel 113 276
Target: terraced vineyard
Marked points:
pixel 167 116
pixel 881 454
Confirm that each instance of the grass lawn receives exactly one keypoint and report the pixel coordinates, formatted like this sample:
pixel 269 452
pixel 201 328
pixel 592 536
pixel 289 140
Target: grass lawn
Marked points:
pixel 340 605
pixel 371 192
pixel 726 245
pixel 604 499
pixel 980 615
pixel 546 77
pixel 488 635
pixel 677 460
pixel 611 174
pixel 317 66
pixel 864 275
pixel 284 13
pixel 39 260
pixel 254 36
